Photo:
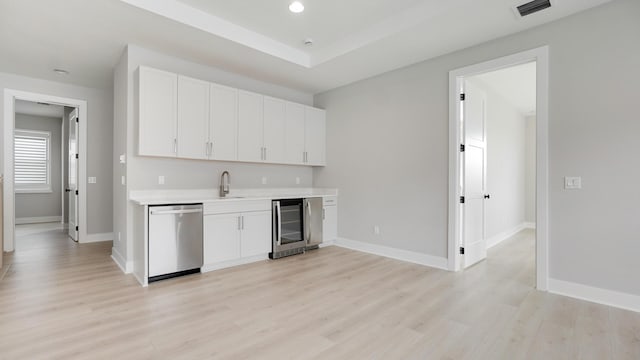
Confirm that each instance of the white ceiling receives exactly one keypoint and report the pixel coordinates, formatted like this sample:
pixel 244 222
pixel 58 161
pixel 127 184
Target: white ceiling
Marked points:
pixel 515 84
pixel 353 39
pixel 38 109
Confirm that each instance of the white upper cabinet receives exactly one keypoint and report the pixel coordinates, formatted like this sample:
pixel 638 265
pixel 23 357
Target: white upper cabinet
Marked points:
pixel 223 123
pixel 250 126
pixel 314 136
pixel 157 122
pixel 193 118
pixel 190 118
pixel 274 130
pixel 294 133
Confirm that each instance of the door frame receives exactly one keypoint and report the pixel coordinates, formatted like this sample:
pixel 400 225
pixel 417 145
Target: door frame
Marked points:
pixel 10 96
pixel 541 56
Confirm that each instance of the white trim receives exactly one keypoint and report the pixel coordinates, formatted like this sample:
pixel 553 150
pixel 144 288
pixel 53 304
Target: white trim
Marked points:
pixel 398 254
pixel 185 14
pixel 38 220
pixel 597 295
pixel 541 56
pixel 10 96
pixel 98 237
pixel 231 263
pixel 327 243
pixel 125 266
pixel 504 235
pixel 529 225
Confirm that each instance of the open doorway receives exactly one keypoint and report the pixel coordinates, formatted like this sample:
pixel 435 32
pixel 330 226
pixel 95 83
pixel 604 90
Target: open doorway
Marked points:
pixel 31 168
pixel 44 136
pixel 498 160
pixel 497 171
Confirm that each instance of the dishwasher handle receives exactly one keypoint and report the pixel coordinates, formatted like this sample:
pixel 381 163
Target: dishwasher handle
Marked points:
pixel 175 212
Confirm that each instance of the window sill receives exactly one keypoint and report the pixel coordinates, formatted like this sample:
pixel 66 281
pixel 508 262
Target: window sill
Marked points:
pixel 33 191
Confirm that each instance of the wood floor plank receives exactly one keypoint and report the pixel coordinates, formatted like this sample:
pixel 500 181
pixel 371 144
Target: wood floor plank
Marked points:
pixel 62 300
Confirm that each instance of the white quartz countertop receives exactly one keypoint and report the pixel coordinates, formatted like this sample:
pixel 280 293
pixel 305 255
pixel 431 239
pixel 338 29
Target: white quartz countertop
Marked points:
pixel 182 196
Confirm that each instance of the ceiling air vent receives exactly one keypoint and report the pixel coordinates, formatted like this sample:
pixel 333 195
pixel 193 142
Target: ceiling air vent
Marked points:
pixel 533 7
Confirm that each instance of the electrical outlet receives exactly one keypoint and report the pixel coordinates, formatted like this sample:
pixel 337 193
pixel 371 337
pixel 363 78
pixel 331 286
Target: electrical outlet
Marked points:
pixel 297 180
pixel 92 180
pixel 376 229
pixel 572 183
pixel 122 179
pixel 119 237
pixel 161 180
pixel 264 180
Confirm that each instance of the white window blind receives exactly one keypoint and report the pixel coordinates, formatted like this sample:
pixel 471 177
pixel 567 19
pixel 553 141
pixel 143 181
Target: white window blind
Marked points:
pixel 32 160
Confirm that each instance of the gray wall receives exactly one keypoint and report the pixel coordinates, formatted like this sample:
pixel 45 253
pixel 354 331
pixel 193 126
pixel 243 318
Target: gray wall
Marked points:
pixel 143 172
pixel 99 151
pixel 530 170
pixel 43 204
pixel 388 146
pixel 506 165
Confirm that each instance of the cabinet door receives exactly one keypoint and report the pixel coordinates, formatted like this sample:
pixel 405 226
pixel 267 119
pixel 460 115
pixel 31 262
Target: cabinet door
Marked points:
pixel 158 103
pixel 294 133
pixel 256 233
pixel 274 130
pixel 314 135
pixel 223 123
pixel 250 126
pixel 193 118
pixel 330 224
pixel 221 238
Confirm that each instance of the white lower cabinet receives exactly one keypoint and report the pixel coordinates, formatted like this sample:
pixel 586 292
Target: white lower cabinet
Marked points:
pixel 329 224
pixel 236 236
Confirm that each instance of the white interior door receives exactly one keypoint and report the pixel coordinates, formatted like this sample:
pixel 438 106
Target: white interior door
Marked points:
pixel 72 188
pixel 474 160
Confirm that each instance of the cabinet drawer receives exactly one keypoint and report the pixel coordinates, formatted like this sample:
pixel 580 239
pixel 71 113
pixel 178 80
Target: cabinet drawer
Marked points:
pixel 235 206
pixel 330 200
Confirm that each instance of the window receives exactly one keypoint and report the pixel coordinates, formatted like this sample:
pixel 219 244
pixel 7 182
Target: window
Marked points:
pixel 32 161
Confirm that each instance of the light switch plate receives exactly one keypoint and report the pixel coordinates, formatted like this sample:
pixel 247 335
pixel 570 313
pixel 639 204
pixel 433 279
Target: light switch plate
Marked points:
pixel 264 180
pixel 92 180
pixel 122 180
pixel 572 182
pixel 297 180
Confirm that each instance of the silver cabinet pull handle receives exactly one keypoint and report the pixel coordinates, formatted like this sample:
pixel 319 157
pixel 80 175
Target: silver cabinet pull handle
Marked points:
pixel 175 145
pixel 278 235
pixel 165 212
pixel 239 227
pixel 309 223
pixel 265 153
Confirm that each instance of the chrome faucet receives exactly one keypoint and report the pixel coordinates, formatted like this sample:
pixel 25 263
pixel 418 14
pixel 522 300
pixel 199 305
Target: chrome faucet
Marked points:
pixel 224 185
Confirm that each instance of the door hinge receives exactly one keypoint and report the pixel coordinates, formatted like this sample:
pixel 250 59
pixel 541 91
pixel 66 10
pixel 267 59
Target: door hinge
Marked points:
pixel 76 192
pixel 461 199
pixel 463 97
pixel 461 147
pixel 76 228
pixel 77 119
pixel 461 250
pixel 77 156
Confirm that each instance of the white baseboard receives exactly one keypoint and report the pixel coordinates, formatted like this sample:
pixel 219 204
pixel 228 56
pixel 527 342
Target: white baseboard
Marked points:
pixel 227 264
pixel 398 254
pixel 125 266
pixel 498 238
pixel 98 237
pixel 38 220
pixel 596 295
pixel 326 243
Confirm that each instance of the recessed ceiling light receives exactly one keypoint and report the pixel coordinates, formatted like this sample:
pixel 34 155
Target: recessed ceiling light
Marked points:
pixel 308 41
pixel 296 7
pixel 61 71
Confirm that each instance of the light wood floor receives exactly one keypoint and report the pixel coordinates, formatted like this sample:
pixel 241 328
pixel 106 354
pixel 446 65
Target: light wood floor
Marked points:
pixel 60 300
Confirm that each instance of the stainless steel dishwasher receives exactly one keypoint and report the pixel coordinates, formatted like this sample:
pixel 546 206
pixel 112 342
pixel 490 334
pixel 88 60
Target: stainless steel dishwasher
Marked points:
pixel 175 240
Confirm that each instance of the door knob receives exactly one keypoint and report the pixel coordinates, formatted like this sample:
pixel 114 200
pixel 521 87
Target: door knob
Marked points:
pixel 67 190
pixel 487 196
